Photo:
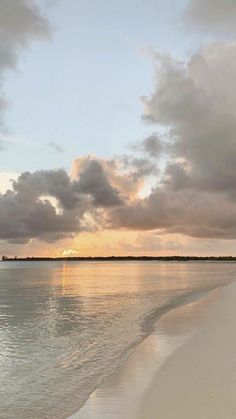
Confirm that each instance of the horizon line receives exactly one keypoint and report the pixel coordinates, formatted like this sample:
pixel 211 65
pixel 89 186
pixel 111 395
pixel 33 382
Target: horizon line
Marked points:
pixel 114 258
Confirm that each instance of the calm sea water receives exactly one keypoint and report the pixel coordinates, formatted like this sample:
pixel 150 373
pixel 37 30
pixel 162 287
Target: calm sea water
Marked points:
pixel 65 327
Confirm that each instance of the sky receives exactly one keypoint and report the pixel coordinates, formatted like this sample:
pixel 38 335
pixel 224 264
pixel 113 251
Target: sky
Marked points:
pixel 117 127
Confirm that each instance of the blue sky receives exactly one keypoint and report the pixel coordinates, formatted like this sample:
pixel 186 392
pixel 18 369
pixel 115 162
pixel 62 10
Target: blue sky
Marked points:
pixel 82 88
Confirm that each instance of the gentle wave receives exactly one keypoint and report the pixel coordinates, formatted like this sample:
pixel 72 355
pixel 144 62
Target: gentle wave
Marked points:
pixel 185 298
pixel 147 323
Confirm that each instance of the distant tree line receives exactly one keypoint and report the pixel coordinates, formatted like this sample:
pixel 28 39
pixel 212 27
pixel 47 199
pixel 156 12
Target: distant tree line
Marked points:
pixel 123 258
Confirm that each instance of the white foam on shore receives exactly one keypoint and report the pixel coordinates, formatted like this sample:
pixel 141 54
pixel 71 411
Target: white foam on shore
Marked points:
pixel 125 395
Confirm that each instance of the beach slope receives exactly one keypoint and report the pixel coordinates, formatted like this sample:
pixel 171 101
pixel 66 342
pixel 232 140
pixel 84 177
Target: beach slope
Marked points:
pixel 199 379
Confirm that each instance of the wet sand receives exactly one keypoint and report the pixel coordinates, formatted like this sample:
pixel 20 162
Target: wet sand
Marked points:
pixel 199 380
pixel 185 369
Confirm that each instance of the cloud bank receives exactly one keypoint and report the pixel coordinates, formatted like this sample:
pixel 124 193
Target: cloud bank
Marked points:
pixel 195 192
pixel 188 162
pixel 49 205
pixel 195 103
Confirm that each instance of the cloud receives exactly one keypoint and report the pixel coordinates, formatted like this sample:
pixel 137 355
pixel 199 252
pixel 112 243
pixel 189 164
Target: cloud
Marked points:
pixel 152 146
pixel 125 175
pixel 93 181
pixel 56 147
pixel 20 23
pixel 138 168
pixel 55 183
pixel 195 104
pixel 27 212
pixel 49 205
pixel 194 192
pixel 21 221
pixel 194 214
pixel 212 16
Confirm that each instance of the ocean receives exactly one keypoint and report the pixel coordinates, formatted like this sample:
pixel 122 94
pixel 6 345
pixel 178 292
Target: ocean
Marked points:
pixel 66 327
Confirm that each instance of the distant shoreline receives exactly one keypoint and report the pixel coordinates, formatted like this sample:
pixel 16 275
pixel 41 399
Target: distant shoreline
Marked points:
pixel 123 258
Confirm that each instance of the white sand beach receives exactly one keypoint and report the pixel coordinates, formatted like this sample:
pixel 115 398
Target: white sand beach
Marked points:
pixel 199 380
pixel 185 369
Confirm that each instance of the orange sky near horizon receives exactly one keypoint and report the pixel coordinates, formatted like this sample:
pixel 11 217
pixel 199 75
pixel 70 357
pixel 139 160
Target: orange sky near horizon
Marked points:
pixel 122 243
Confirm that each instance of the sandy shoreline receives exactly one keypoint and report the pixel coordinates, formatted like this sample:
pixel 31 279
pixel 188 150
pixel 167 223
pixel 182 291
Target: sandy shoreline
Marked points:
pixel 179 370
pixel 199 380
